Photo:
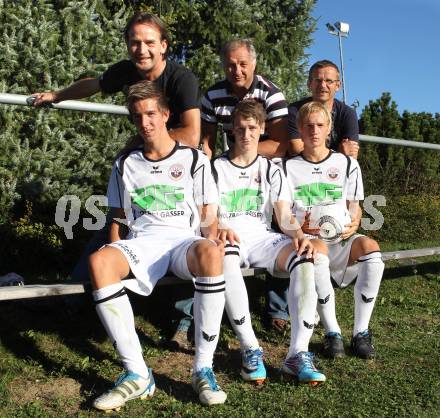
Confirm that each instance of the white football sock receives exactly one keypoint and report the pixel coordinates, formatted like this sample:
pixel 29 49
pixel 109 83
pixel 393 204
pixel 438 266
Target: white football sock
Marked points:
pixel 115 312
pixel 237 301
pixel 326 295
pixel 370 271
pixel 209 303
pixel 302 302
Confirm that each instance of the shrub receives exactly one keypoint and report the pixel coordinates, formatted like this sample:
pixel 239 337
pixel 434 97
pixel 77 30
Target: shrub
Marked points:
pixel 409 219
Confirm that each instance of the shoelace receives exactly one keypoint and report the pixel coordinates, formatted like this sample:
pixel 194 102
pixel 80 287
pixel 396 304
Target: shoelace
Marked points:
pixel 125 376
pixel 364 335
pixel 253 357
pixel 209 376
pixel 121 379
pixel 307 360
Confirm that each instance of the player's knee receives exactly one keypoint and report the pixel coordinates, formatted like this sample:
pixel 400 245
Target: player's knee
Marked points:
pixel 209 256
pixel 367 245
pixel 320 246
pixel 362 246
pixel 97 265
pixel 106 267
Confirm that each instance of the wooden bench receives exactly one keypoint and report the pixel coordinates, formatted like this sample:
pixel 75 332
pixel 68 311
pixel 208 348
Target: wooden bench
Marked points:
pixel 40 290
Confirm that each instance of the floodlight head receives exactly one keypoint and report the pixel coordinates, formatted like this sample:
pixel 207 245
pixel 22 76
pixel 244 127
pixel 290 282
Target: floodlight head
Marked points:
pixel 343 27
pixel 330 27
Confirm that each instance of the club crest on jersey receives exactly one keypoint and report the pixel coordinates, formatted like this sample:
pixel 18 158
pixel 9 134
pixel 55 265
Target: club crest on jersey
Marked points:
pixel 332 173
pixel 176 172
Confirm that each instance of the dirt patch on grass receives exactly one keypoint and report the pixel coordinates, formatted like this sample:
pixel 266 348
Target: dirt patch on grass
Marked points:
pixel 175 364
pixel 47 391
pixel 178 365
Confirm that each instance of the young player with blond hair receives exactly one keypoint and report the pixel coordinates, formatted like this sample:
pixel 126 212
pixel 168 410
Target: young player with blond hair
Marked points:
pixel 320 180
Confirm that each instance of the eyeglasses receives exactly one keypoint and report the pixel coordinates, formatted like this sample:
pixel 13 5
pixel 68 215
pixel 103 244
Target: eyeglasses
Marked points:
pixel 327 81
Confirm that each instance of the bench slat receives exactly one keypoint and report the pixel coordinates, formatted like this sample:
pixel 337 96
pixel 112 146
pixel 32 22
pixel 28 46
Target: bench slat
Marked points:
pixel 400 255
pixel 37 290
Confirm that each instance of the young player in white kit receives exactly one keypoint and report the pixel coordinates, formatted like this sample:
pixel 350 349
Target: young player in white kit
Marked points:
pixel 161 191
pixel 250 188
pixel 318 177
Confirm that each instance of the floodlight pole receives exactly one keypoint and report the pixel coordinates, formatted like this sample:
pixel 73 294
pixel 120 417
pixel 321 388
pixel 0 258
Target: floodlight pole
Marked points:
pixel 340 29
pixel 342 67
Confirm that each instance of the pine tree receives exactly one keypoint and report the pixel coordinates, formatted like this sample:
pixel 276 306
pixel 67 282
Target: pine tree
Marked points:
pixel 48 44
pixel 280 29
pixel 396 169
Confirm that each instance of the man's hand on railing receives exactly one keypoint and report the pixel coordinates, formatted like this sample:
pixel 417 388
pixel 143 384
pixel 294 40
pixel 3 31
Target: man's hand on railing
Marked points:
pixel 47 97
pixel 349 147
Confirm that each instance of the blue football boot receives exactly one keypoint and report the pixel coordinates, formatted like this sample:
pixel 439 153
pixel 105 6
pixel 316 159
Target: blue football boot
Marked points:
pixel 252 367
pixel 301 367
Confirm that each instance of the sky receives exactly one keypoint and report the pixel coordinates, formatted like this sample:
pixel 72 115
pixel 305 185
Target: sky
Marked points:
pixel 393 46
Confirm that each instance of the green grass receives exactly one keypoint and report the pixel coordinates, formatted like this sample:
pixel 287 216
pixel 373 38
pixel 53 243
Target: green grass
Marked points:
pixel 52 364
pixel 395 246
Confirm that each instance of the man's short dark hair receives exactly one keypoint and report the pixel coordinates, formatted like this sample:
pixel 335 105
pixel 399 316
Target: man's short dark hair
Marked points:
pixel 322 64
pixel 146 89
pixel 249 109
pixel 148 19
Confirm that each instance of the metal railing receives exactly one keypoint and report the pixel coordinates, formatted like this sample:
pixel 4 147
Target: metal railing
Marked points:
pixel 34 291
pixel 19 99
pixel 401 142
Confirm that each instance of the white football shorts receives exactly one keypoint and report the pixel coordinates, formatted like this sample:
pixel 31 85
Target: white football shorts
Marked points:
pixel 262 251
pixel 152 257
pixel 339 254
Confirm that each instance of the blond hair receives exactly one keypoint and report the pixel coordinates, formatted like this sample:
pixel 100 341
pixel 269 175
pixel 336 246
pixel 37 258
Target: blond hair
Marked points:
pixel 312 107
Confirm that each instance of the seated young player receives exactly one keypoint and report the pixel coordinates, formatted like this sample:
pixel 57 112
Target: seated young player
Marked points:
pixel 250 188
pixel 161 191
pixel 319 177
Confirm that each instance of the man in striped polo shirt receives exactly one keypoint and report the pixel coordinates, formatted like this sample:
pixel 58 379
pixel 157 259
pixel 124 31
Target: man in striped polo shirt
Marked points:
pixel 239 60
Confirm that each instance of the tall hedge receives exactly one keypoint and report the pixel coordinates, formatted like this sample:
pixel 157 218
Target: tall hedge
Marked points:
pixel 45 154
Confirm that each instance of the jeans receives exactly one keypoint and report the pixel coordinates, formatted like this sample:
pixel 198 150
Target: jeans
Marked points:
pixel 184 308
pixel 276 297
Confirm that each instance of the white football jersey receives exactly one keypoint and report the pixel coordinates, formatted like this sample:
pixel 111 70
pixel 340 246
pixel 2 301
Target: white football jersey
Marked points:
pixel 162 195
pixel 333 180
pixel 247 194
